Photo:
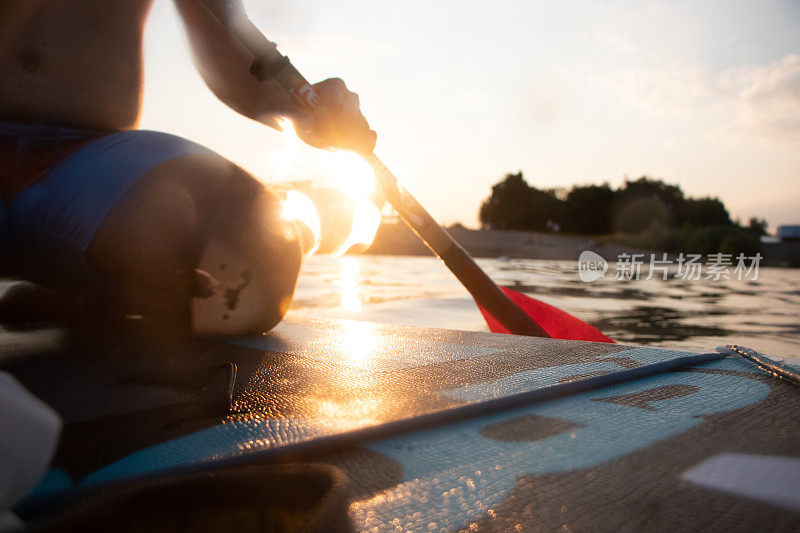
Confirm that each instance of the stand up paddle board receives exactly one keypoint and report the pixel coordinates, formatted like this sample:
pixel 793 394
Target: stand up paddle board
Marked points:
pixel 432 429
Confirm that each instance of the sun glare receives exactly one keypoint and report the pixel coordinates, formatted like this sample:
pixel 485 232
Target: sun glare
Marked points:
pixel 360 342
pixel 336 169
pixel 366 219
pixel 351 174
pixel 348 283
pixel 297 206
pixel 284 158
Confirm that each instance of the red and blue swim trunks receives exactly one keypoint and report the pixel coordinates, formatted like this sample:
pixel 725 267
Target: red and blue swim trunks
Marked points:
pixel 58 184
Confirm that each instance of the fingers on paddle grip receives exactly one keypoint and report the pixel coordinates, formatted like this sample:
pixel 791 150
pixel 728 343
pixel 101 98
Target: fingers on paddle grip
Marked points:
pixel 338 121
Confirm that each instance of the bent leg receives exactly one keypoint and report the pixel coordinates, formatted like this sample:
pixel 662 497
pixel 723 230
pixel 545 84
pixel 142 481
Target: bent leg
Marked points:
pixel 135 213
pixel 198 212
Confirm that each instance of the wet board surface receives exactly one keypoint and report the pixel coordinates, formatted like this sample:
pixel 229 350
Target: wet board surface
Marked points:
pixel 715 446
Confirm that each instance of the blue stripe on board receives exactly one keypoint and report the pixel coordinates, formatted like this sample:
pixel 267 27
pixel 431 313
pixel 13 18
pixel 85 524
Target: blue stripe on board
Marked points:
pixel 460 474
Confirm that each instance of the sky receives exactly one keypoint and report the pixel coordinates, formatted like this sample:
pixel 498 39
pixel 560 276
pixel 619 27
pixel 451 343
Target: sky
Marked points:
pixel 705 94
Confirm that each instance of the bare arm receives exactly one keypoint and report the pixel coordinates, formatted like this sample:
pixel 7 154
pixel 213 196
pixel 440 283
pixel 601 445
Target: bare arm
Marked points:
pixel 14 17
pixel 225 66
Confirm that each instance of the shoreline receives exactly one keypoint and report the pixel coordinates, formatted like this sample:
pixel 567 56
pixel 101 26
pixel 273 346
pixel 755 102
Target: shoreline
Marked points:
pixel 398 239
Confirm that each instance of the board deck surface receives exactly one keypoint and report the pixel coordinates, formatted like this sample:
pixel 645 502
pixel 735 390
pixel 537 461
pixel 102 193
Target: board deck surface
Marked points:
pixel 653 452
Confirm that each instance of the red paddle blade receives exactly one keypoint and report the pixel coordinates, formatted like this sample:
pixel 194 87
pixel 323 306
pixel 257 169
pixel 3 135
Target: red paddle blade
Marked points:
pixel 557 323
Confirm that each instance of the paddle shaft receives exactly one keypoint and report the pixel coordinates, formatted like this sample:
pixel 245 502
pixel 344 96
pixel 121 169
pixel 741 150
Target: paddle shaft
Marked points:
pixel 271 64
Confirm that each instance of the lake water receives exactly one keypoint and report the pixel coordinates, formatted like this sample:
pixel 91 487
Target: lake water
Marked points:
pixel 763 314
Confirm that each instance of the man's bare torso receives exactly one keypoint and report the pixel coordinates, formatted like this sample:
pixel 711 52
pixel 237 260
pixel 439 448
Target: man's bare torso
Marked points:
pixel 78 63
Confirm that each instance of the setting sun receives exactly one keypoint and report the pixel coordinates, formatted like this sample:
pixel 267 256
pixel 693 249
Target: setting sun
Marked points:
pixel 343 171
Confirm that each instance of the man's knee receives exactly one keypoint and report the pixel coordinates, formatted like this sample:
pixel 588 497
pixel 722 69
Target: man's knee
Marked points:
pixel 250 293
pixel 254 255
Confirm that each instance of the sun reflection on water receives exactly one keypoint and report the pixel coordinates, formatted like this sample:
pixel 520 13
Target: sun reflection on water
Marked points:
pixel 348 283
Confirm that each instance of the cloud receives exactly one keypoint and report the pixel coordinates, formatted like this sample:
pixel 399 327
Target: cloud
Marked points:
pixel 618 43
pixel 545 106
pixel 769 99
pixel 755 100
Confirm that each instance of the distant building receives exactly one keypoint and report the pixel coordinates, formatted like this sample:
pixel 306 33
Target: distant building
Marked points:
pixel 787 233
pixel 783 249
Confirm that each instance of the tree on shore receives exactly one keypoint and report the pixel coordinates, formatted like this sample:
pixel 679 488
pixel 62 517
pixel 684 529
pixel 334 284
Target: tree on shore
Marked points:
pixel 645 212
pixel 515 205
pixel 758 226
pixel 588 210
